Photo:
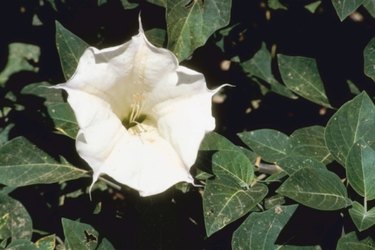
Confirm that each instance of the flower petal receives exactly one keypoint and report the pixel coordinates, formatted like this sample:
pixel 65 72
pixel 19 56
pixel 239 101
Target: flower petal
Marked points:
pixel 185 119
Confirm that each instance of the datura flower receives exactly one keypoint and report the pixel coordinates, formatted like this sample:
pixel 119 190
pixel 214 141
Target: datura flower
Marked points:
pixel 141 115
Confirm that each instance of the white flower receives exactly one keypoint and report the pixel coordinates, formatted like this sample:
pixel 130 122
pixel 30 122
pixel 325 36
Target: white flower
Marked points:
pixel 141 116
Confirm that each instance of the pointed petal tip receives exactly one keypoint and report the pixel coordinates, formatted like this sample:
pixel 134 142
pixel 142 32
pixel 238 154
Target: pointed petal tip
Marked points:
pixel 140 29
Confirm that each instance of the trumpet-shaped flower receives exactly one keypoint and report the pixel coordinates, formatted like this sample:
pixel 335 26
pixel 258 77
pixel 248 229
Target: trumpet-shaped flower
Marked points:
pixel 141 115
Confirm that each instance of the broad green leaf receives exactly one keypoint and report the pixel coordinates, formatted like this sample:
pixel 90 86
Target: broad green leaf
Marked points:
pixel 353 88
pixel 369 59
pixel 350 241
pixel 370 6
pixel 290 247
pixel 43 90
pixel 83 236
pixel 18 221
pixel 312 7
pixel 301 75
pixel 21 58
pixel 362 219
pixel 346 7
pixel 64 119
pixel 157 37
pixel 276 5
pixel 292 163
pixel 234 164
pixel 21 244
pixel 360 169
pixel 70 48
pixel 260 230
pixel 355 120
pixel 22 163
pixel 260 66
pixel 191 23
pixel 46 243
pixel 214 141
pixel 310 142
pixel 317 188
pixel 270 144
pixel 224 201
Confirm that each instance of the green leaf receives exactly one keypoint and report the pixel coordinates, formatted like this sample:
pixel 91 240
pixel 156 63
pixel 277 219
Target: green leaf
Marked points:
pixel 346 7
pixel 21 58
pixel 370 6
pixel 313 6
pixel 191 23
pixel 18 221
pixel 44 90
pixel 310 142
pixel 360 169
pixel 276 5
pixel 224 201
pixel 260 66
pixel 161 3
pixel 82 236
pixel 289 247
pixel 70 48
pixel 64 119
pixel 292 163
pixel 260 230
pixel 22 163
pixel 46 243
pixel 270 144
pixel 214 141
pixel 105 245
pixel 350 241
pixel 369 59
pixel 21 244
pixel 362 218
pixel 128 5
pixel 157 37
pixel 301 75
pixel 317 188
pixel 234 164
pixel 355 120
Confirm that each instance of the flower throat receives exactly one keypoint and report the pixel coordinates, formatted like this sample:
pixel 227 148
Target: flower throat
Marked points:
pixel 135 117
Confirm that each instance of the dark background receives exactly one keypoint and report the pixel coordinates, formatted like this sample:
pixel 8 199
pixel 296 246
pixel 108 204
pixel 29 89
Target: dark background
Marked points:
pixel 173 220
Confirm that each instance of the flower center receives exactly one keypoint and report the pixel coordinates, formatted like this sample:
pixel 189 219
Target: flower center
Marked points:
pixel 133 121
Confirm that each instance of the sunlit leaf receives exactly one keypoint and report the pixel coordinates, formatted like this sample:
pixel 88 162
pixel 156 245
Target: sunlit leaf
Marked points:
pixel 270 144
pixel 360 169
pixel 70 48
pixel 260 230
pixel 310 142
pixel 369 58
pixel 18 221
pixel 370 6
pixel 46 243
pixel 22 163
pixel 214 141
pixel 22 57
pixel 362 219
pixel 191 23
pixel 260 66
pixel 157 37
pixel 290 247
pixel 276 5
pixel 82 236
pixel 351 241
pixel 301 75
pixel 312 7
pixel 346 7
pixel 317 188
pixel 292 163
pixel 224 201
pixel 21 244
pixel 235 164
pixel 355 120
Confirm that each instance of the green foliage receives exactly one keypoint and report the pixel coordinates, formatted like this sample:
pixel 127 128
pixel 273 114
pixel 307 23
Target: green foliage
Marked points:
pixel 187 29
pixel 345 8
pixel 301 75
pixel 260 230
pixel 70 48
pixel 251 186
pixel 34 167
